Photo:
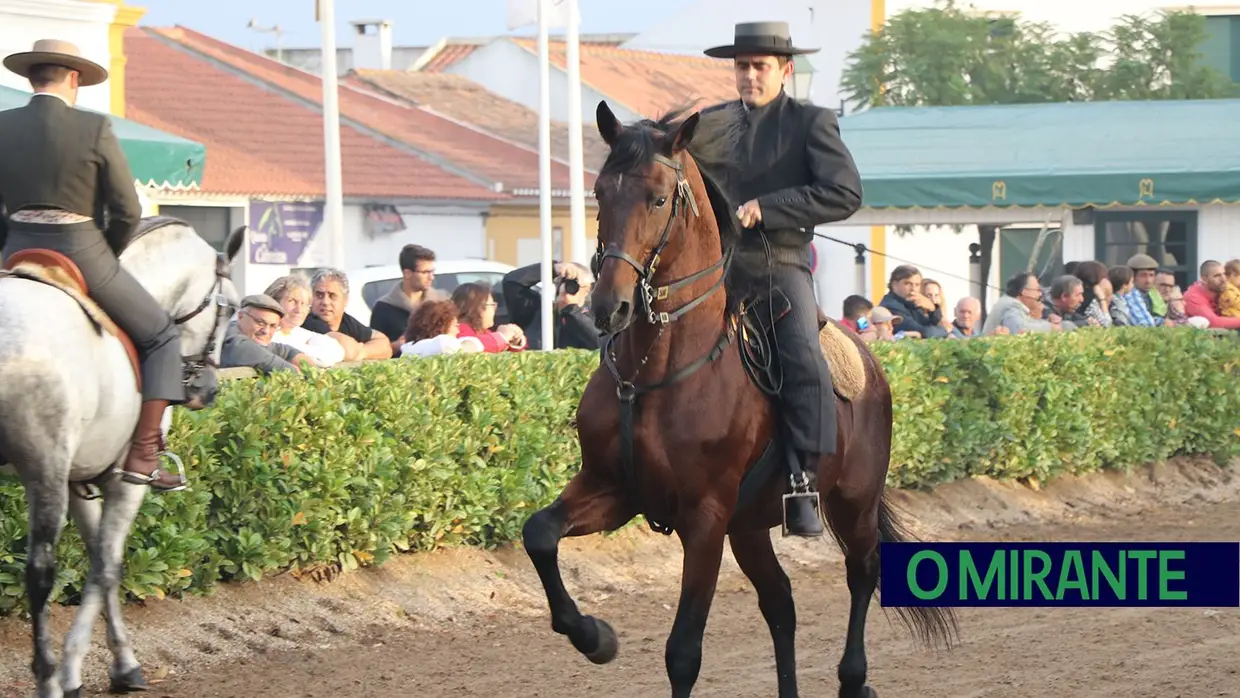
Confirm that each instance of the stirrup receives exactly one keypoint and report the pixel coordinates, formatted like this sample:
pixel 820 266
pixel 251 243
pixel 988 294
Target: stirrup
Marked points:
pixel 800 490
pixel 140 479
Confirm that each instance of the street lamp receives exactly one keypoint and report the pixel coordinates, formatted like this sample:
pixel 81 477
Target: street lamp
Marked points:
pixel 802 77
pixel 253 24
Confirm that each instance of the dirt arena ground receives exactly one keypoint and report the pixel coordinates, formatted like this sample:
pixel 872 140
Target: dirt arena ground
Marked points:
pixel 468 623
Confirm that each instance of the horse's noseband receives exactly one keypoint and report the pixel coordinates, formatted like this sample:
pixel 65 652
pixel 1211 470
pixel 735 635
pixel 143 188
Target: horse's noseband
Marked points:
pixel 196 364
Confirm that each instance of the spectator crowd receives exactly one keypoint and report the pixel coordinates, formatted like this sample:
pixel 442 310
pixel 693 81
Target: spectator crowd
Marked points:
pixel 298 322
pixel 1089 294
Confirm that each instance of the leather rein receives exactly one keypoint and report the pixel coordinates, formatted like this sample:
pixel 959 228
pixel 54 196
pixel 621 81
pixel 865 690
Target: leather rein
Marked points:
pixel 626 389
pixel 193 366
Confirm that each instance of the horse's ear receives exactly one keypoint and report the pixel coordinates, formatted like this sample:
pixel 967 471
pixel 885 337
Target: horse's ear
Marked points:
pixel 608 125
pixel 683 136
pixel 235 241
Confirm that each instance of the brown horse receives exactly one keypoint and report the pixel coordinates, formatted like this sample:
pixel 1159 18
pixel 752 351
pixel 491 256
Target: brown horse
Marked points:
pixel 695 456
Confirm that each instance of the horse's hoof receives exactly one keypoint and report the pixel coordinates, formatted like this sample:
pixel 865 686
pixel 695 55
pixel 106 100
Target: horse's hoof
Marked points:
pixel 131 681
pixel 608 644
pixel 74 693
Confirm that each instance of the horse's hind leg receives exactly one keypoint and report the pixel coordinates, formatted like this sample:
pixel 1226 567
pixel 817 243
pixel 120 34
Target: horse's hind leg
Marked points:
pixel 756 557
pixel 586 506
pixel 854 520
pixel 46 505
pixel 105 530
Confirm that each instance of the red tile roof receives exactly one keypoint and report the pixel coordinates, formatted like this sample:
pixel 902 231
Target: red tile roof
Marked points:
pixel 449 51
pixel 260 143
pixel 452 144
pixel 462 99
pixel 647 82
pixel 447 55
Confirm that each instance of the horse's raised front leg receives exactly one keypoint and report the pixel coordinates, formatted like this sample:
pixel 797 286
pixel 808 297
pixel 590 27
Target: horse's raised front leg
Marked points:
pixel 587 505
pixel 756 557
pixel 105 530
pixel 46 504
pixel 701 530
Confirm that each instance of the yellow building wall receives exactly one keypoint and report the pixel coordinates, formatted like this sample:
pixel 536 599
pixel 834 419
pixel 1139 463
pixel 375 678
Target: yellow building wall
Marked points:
pixel 508 224
pixel 126 17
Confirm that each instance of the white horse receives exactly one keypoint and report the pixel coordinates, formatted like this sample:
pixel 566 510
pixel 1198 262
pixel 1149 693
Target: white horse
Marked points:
pixel 69 405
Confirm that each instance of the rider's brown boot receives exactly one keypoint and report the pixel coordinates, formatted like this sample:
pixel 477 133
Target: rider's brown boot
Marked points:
pixel 142 465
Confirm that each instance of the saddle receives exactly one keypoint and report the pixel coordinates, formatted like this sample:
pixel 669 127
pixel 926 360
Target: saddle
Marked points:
pixel 758 319
pixel 56 270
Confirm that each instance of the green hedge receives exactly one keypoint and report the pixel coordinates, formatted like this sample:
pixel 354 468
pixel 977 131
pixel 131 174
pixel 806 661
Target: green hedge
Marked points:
pixel 345 468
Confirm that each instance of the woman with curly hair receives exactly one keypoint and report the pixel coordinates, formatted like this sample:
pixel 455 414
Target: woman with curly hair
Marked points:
pixel 433 330
pixel 476 312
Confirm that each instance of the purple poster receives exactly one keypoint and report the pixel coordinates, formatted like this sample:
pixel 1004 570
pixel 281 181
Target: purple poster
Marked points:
pixel 280 231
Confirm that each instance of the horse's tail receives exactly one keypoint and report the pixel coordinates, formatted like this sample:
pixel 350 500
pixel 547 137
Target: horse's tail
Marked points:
pixel 931 625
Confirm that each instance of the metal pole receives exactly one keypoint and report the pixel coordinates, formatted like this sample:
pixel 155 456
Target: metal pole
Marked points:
pixel 978 288
pixel 576 154
pixel 544 175
pixel 333 213
pixel 860 267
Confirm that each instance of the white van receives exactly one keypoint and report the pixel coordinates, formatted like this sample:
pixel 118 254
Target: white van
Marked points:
pixel 368 285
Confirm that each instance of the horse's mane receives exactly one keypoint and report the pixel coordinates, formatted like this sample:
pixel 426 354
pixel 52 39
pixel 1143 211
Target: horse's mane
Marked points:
pixel 714 149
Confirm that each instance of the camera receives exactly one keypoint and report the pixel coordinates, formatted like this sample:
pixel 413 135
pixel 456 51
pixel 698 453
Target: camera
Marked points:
pixel 571 286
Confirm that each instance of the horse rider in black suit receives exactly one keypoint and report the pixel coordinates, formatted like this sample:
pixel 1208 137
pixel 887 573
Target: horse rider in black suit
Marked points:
pixel 793 173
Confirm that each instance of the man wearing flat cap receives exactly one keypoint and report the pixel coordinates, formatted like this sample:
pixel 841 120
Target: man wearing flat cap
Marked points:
pixel 794 173
pixel 65 186
pixel 247 342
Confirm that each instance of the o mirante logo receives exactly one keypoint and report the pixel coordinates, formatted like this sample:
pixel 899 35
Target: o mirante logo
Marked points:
pixel 1060 574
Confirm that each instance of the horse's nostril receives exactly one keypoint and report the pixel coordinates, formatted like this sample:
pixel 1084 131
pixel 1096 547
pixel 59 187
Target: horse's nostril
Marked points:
pixel 622 310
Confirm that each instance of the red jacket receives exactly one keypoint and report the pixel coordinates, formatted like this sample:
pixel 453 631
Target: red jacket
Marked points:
pixel 492 342
pixel 1200 302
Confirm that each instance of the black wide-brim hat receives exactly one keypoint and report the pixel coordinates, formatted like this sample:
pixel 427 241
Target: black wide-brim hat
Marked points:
pixel 760 38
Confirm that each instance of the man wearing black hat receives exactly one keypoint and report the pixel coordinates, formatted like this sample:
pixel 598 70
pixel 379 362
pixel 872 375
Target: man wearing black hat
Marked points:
pixel 794 174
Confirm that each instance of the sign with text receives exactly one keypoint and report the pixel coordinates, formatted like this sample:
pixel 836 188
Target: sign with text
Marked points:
pixel 280 231
pixel 1051 574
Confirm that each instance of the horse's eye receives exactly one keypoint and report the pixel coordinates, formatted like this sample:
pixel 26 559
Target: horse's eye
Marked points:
pixel 660 202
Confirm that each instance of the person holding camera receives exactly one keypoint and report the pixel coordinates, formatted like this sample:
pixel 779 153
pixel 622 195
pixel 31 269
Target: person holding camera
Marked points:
pixel 574 328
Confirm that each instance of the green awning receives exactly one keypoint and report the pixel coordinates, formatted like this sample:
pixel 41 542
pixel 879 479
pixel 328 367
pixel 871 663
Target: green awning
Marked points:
pixel 1071 154
pixel 156 158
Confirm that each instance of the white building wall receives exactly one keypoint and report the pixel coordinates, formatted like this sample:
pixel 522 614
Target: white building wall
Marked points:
pixel 22 22
pixel 1218 233
pixel 512 72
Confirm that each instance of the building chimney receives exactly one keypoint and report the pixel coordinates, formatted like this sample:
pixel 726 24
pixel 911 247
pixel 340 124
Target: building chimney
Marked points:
pixel 372 47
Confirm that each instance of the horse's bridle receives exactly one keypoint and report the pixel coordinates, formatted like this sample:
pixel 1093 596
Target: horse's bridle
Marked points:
pixel 645 273
pixel 195 365
pixel 626 390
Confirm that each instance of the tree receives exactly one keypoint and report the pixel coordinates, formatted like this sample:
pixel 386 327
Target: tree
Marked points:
pixel 944 56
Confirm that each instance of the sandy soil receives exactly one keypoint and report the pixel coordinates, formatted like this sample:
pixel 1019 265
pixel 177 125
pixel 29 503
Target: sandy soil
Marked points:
pixel 469 623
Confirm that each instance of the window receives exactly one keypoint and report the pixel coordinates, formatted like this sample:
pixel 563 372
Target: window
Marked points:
pixel 211 222
pixel 447 283
pixel 1168 236
pixel 1016 253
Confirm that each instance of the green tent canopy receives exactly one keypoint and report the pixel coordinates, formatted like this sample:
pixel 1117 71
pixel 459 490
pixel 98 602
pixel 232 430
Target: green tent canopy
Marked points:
pixel 156 158
pixel 1062 154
